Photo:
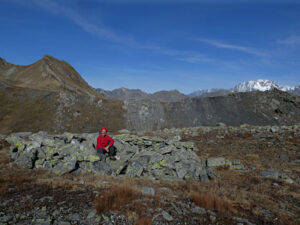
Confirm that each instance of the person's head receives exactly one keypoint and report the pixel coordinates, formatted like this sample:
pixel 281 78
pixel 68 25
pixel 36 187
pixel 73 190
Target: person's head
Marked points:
pixel 103 131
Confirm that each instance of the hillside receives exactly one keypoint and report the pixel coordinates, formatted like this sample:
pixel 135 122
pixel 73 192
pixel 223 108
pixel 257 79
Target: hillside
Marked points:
pixel 47 73
pixel 26 109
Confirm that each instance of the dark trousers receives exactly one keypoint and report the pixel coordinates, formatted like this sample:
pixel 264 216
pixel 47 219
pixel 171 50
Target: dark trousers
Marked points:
pixel 111 152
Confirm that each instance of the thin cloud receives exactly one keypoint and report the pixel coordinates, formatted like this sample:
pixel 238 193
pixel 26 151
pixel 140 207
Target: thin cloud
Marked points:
pixel 52 6
pixel 292 40
pixel 219 44
pixel 197 58
pixel 71 14
pixel 102 32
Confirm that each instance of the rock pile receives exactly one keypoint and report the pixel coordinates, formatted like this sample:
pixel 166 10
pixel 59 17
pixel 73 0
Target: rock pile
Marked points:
pixel 137 156
pixel 221 130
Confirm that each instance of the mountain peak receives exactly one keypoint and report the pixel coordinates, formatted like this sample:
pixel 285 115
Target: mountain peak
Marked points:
pixel 47 73
pixel 2 62
pixel 256 85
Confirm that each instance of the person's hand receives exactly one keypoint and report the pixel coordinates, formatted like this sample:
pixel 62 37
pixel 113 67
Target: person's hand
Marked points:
pixel 106 149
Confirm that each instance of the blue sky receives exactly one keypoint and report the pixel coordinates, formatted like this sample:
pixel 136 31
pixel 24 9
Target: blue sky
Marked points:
pixel 158 45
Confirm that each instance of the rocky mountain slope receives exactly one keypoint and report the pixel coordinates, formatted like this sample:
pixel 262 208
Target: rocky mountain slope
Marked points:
pixel 257 108
pixel 47 73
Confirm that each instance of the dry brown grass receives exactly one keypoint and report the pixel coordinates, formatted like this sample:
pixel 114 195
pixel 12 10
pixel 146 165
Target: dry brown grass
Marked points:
pixel 210 201
pixel 149 134
pixel 3 144
pixel 144 221
pixel 252 156
pixel 3 189
pixel 116 198
pixel 224 168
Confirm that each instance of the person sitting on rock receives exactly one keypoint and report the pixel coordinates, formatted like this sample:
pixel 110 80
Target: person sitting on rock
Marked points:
pixel 105 145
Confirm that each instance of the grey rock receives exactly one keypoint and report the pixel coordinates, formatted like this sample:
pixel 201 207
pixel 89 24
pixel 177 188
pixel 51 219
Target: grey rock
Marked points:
pixel 92 214
pixel 212 218
pixel 102 167
pixel 74 217
pixel 237 165
pixel 215 162
pixel 288 180
pixel 135 169
pixel 284 158
pixel 181 172
pixel 165 150
pixel 156 158
pixel 64 166
pixel 124 131
pixel 269 173
pixel 296 162
pixel 63 223
pixel 203 176
pixel 167 216
pixel 148 191
pixel 199 210
pixel 4 219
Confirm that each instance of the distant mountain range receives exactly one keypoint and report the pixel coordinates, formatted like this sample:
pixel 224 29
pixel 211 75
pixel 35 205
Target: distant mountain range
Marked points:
pixel 125 93
pixel 50 95
pixel 175 95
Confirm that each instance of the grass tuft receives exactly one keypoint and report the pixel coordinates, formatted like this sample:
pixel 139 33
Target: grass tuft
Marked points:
pixel 116 198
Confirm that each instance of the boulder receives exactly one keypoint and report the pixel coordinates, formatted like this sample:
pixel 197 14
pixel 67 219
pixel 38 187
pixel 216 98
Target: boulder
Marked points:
pixel 215 162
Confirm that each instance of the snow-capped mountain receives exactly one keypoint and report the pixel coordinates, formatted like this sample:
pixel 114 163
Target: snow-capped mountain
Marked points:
pixel 263 85
pixel 255 85
pixel 247 86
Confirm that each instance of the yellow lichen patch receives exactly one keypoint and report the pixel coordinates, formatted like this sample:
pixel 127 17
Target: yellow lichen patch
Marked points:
pixel 20 145
pixel 94 158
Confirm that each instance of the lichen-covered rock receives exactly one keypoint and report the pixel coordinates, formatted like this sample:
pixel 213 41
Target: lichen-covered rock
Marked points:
pixel 137 156
pixel 215 162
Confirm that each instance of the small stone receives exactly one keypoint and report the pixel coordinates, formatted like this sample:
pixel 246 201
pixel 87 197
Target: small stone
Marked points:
pixel 74 217
pixel 289 180
pixel 63 223
pixel 92 214
pixel 124 131
pixel 270 173
pixel 215 162
pixel 105 217
pixel 212 218
pixel 167 216
pixel 148 191
pixel 199 210
pixel 284 158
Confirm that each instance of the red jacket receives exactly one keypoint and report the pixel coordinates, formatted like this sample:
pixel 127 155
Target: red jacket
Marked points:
pixel 103 141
